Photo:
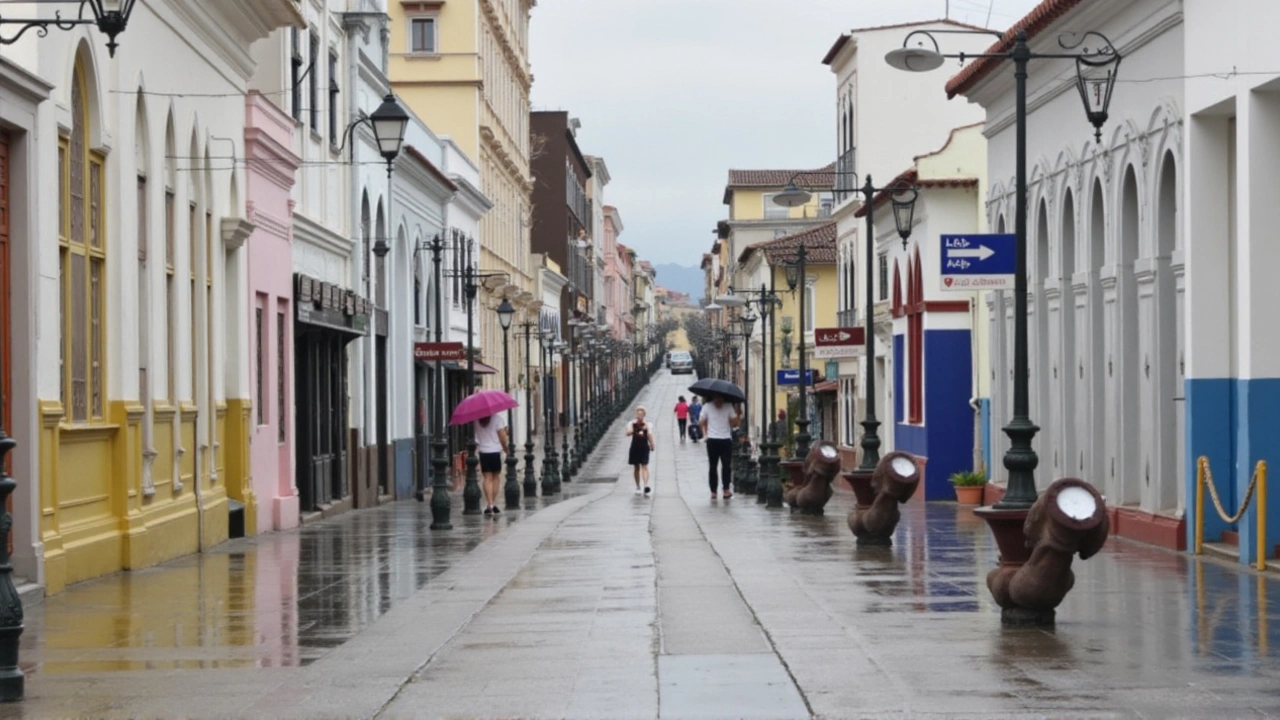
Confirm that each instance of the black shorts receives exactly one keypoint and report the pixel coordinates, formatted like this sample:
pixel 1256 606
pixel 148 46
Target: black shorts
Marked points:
pixel 491 462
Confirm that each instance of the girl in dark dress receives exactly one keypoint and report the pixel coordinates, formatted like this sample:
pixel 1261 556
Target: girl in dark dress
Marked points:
pixel 641 434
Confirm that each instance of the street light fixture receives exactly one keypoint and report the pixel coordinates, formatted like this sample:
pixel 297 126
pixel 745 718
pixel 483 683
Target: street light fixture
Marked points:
pixel 111 17
pixel 1005 517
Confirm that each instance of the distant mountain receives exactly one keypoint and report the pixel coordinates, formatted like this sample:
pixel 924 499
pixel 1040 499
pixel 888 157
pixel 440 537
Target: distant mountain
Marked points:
pixel 683 279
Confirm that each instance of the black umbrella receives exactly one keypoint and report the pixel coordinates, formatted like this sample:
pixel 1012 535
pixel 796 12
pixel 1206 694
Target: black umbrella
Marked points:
pixel 708 387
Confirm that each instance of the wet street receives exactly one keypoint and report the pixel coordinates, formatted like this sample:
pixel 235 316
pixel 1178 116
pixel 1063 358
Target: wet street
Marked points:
pixel 603 604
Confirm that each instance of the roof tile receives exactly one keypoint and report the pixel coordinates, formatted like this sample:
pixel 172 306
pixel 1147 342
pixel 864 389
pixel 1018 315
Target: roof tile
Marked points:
pixel 819 242
pixel 1034 23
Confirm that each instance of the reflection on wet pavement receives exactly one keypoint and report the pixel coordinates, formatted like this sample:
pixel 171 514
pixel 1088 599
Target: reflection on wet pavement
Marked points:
pixel 274 600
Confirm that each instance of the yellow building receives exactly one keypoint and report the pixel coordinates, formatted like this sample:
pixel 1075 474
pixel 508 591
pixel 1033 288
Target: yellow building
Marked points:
pixel 765 264
pixel 755 218
pixel 135 414
pixel 463 67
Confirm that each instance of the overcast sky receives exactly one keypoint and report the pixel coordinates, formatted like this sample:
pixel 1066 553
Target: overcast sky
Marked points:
pixel 672 93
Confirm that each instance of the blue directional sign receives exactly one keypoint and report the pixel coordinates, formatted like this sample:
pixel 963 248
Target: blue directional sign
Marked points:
pixel 978 262
pixel 792 376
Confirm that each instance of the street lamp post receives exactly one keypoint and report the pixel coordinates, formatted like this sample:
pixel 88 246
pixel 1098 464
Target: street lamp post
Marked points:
pixel 749 481
pixel 797 279
pixel 440 502
pixel 549 468
pixel 1096 70
pixel 903 198
pixel 512 488
pixel 566 471
pixel 530 481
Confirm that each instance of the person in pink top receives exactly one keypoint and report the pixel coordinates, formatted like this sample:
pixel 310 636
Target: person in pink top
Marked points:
pixel 682 416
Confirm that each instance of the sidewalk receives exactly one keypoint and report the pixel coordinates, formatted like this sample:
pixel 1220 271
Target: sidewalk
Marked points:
pixel 604 604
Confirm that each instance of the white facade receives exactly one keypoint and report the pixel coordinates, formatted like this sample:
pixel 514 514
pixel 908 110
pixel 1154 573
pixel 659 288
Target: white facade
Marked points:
pixel 884 118
pixel 151 129
pixel 595 190
pixel 952 188
pixel 1106 261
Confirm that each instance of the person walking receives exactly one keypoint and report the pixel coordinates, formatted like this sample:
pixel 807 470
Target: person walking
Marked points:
pixel 719 418
pixel 682 417
pixel 695 416
pixel 641 434
pixel 491 441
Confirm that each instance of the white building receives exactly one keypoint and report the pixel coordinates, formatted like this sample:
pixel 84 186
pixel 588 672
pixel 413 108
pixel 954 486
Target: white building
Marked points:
pixel 938 339
pixel 884 118
pixel 1109 276
pixel 127 340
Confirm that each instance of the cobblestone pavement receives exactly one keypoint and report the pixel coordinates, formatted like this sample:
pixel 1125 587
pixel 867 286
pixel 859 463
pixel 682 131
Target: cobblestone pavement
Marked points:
pixel 604 604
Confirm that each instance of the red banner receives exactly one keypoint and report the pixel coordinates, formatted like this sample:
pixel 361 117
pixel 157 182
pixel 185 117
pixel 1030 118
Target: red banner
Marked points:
pixel 433 352
pixel 834 337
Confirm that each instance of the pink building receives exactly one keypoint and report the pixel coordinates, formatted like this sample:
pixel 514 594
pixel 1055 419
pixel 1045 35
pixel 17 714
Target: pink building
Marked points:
pixel 271 165
pixel 615 278
pixel 620 301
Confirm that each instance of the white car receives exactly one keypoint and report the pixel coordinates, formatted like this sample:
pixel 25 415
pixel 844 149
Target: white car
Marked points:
pixel 681 363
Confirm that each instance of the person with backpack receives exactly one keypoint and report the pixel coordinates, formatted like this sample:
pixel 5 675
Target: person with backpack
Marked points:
pixel 695 417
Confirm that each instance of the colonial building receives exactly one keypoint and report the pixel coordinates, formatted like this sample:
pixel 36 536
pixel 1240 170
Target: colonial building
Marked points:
pixel 876 138
pixel 930 400
pixel 463 67
pixel 129 404
pixel 1112 274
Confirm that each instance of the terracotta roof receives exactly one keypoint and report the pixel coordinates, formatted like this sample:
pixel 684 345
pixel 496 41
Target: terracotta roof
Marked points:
pixel 1035 22
pixel 823 177
pixel 840 41
pixel 910 177
pixel 819 242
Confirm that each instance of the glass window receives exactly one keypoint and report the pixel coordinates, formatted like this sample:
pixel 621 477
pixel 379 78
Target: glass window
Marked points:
pixel 333 99
pixel 295 72
pixel 82 272
pixel 422 35
pixel 313 84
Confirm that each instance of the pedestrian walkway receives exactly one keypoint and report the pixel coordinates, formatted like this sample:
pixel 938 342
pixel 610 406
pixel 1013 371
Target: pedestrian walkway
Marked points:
pixel 604 604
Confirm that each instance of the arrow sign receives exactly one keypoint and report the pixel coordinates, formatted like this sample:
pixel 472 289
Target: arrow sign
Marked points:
pixel 825 337
pixel 982 252
pixel 972 263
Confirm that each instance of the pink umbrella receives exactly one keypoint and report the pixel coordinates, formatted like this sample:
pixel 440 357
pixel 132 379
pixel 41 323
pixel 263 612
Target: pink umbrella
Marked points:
pixel 481 405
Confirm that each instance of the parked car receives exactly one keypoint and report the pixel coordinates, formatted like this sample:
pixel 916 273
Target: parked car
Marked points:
pixel 681 363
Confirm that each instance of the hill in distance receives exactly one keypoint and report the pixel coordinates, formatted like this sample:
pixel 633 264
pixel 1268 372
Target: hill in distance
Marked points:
pixel 682 278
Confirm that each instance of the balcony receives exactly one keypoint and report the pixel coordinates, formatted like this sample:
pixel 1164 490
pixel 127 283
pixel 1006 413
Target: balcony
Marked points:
pixel 846 180
pixel 847 318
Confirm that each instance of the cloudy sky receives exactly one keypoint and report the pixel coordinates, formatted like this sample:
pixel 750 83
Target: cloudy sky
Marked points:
pixel 672 93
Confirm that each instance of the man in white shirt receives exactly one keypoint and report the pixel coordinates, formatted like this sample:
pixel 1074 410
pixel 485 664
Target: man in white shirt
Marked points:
pixel 718 420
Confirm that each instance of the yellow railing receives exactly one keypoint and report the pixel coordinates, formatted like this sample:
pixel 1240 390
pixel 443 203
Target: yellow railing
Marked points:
pixel 1204 477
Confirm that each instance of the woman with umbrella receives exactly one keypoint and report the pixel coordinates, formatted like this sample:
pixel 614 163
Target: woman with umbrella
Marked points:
pixel 484 409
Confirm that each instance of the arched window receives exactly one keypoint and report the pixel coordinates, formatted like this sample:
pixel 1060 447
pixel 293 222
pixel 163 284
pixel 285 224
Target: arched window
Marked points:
pixel 82 271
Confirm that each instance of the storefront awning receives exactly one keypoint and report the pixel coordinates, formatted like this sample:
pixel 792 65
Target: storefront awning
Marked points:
pixel 829 386
pixel 481 368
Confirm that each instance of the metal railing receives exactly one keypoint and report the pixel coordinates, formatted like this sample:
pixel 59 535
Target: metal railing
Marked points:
pixel 847 318
pixel 1204 477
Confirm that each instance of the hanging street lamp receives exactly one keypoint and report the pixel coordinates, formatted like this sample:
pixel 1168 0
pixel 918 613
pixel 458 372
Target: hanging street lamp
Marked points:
pixel 111 17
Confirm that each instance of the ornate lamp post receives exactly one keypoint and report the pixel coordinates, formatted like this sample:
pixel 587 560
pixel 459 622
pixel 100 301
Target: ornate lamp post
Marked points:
pixel 440 502
pixel 797 278
pixel 749 478
pixel 549 469
pixel 530 480
pixel 1096 69
pixel 903 198
pixel 566 355
pixel 512 487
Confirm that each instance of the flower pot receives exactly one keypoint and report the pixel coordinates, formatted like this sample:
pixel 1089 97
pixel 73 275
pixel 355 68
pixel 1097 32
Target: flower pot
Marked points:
pixel 969 494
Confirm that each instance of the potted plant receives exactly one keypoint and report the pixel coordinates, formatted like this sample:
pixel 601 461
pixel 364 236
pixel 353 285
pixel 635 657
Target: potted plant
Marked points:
pixel 969 485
